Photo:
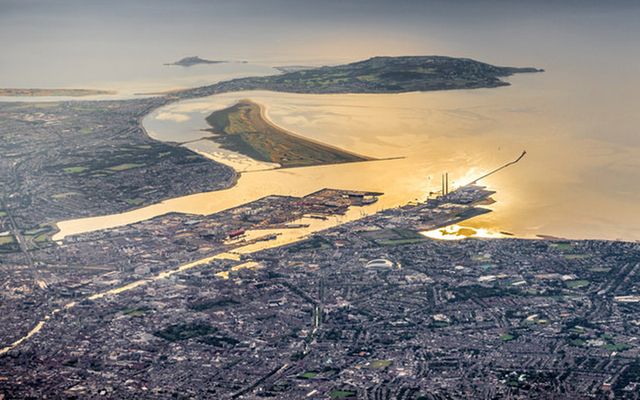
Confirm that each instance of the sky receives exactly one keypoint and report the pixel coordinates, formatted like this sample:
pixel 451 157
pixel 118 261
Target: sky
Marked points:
pixel 60 33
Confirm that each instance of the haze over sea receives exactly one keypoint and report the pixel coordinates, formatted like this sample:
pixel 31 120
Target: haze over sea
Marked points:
pixel 578 120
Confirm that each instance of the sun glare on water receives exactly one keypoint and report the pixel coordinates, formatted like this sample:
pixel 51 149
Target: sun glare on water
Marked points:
pixel 458 232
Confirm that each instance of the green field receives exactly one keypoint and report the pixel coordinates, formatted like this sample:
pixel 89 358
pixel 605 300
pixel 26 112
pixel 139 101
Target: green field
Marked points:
pixel 39 235
pixel 617 346
pixel 123 159
pixel 577 284
pixel 341 394
pixel 242 128
pixel 380 364
pixel 577 342
pixel 564 246
pixel 41 238
pixel 507 337
pixel 9 239
pixel 134 202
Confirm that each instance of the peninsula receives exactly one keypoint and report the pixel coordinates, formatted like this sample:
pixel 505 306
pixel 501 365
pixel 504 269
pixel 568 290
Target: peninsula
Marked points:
pixel 375 75
pixel 243 128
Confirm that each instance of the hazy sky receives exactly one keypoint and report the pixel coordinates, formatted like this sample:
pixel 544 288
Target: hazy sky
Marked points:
pixel 60 32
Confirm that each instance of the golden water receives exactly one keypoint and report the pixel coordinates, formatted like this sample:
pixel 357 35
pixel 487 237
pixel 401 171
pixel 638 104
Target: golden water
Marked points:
pixel 556 190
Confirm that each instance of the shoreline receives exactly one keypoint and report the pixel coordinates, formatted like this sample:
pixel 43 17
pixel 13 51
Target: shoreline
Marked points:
pixel 234 183
pixel 266 132
pixel 237 85
pixel 268 121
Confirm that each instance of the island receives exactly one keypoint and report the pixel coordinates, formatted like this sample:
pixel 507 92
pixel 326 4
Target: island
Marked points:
pixel 194 60
pixel 243 128
pixel 53 92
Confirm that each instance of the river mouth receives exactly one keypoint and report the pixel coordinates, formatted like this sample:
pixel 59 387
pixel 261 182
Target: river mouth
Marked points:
pixel 464 133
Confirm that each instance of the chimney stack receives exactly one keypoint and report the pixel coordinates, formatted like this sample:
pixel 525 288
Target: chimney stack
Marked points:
pixel 446 175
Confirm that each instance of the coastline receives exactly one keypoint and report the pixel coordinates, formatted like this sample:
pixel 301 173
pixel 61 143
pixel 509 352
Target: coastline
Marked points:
pixel 242 85
pixel 268 121
pixel 255 136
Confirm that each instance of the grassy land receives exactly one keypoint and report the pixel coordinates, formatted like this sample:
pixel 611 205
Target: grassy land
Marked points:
pixel 577 284
pixel 316 242
pixel 135 202
pixel 507 337
pixel 9 239
pixel 125 158
pixel 617 346
pixel 177 332
pixel 41 238
pixel 242 128
pixel 380 364
pixel 40 235
pixel 341 394
pixel 217 304
pixel 8 244
pixel 577 342
pixel 562 246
